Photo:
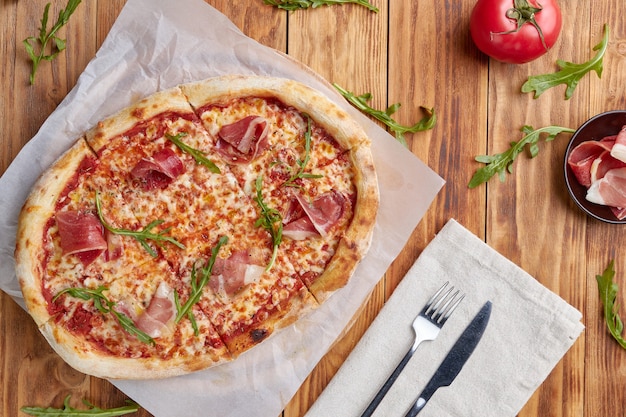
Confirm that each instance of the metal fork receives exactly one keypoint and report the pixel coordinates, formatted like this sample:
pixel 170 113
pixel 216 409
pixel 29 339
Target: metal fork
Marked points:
pixel 426 325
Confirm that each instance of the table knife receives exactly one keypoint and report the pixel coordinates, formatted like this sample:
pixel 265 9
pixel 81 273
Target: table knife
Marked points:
pixel 456 358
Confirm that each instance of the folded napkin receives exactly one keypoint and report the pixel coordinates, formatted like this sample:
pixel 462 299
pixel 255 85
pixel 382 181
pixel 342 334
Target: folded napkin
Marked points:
pixel 530 330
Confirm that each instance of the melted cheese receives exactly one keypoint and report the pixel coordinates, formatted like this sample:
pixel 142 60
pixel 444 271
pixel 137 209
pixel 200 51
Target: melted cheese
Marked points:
pixel 196 209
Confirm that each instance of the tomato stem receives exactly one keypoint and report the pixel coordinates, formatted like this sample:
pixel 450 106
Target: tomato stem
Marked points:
pixel 522 13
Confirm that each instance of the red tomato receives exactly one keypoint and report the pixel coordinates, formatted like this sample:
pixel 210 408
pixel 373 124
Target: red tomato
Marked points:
pixel 515 31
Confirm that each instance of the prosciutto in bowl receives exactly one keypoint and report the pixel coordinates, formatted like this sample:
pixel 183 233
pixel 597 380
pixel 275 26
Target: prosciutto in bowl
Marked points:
pixel 595 167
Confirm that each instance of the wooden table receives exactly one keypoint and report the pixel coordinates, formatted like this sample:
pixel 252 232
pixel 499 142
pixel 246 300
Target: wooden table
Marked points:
pixel 412 52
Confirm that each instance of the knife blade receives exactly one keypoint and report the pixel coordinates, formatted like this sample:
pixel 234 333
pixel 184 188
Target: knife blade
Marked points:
pixel 455 359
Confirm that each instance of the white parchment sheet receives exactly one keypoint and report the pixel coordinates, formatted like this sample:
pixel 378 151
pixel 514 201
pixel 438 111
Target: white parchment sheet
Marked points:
pixel 157 44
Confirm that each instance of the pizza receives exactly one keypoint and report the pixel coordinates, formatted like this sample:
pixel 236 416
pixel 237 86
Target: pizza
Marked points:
pixel 190 226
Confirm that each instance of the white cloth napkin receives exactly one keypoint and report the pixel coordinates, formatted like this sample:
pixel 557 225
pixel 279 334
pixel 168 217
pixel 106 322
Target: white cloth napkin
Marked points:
pixel 530 330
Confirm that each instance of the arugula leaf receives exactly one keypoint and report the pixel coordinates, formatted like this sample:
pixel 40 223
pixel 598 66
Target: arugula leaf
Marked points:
pixel 608 294
pixel 271 220
pixel 305 4
pixel 132 407
pixel 143 235
pixel 106 306
pixel 197 285
pixel 44 37
pixel 570 74
pixel 503 162
pixel 360 102
pixel 198 155
pixel 302 162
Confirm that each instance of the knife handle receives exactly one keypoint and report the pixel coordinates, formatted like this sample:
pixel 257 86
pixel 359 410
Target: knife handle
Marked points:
pixel 383 390
pixel 417 407
pixel 432 386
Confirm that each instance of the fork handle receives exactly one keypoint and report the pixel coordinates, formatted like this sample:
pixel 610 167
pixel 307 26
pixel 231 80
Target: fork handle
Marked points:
pixel 383 390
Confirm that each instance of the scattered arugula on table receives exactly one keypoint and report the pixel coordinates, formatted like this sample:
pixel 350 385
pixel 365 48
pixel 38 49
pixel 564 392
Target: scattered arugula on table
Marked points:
pixel 142 236
pixel 570 73
pixel 106 306
pixel 305 4
pixel 503 162
pixel 46 36
pixel 360 102
pixel 67 410
pixel 271 220
pixel 300 173
pixel 198 155
pixel 197 285
pixel 608 293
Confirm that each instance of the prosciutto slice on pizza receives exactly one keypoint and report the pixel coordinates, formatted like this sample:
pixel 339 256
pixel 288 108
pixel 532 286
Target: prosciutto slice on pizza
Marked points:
pixel 190 226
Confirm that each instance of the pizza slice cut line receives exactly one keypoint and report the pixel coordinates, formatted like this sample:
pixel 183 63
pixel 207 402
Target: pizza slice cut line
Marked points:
pixel 153 179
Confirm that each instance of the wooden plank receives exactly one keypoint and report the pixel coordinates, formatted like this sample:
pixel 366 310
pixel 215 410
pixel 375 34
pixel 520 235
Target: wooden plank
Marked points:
pixel 107 13
pixel 257 20
pixel 34 374
pixel 530 218
pixel 433 64
pixel 346 45
pixel 605 368
pixel 11 142
pixel 33 104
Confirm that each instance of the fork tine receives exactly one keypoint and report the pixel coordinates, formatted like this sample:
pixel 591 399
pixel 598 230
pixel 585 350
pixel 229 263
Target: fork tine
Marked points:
pixel 434 309
pixel 450 306
pixel 434 297
pixel 439 307
pixel 444 304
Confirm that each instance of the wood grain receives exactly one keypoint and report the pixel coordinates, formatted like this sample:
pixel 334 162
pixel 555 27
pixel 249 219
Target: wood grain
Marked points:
pixel 433 64
pixel 417 53
pixel 605 362
pixel 530 219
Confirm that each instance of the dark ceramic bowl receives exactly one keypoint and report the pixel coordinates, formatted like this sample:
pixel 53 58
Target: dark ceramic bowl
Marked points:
pixel 604 124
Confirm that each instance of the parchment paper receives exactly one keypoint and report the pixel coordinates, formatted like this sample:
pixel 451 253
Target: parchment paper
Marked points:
pixel 157 44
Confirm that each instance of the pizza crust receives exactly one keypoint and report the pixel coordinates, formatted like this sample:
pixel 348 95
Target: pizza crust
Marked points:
pixel 358 237
pixel 36 212
pixel 335 120
pixel 299 306
pixel 82 357
pixel 171 100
